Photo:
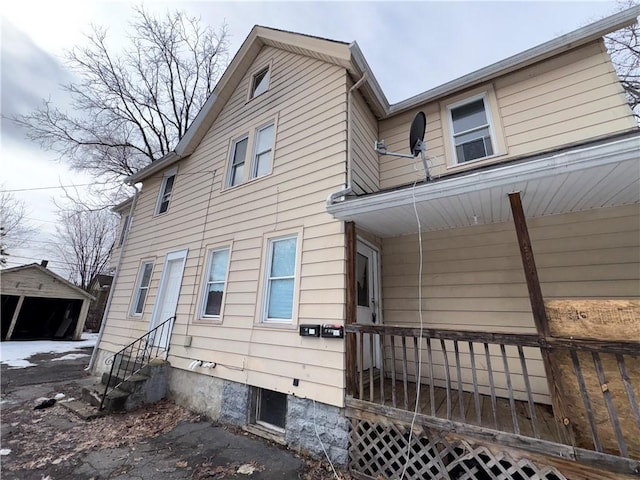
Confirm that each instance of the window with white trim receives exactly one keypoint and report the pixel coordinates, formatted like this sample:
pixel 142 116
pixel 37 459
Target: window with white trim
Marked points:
pixel 280 279
pixel 125 227
pixel 238 155
pixel 260 82
pixel 215 285
pixel 166 188
pixel 261 164
pixel 142 287
pixel 471 129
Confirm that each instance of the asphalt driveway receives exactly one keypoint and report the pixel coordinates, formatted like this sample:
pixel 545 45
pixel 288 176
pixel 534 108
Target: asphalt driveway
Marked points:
pixel 159 441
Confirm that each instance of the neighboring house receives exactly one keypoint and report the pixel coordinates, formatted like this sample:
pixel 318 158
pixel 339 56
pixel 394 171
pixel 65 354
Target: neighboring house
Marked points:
pixel 99 288
pixel 39 304
pixel 275 216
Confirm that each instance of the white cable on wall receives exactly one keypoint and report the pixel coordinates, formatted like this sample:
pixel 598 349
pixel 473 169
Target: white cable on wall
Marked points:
pixel 419 372
pixel 315 427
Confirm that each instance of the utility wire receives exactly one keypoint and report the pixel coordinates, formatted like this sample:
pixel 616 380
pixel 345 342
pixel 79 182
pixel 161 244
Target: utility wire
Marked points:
pixel 46 188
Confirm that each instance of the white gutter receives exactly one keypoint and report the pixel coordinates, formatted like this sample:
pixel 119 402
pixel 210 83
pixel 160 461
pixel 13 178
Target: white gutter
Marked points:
pixel 614 152
pixel 92 361
pixel 164 162
pixel 348 188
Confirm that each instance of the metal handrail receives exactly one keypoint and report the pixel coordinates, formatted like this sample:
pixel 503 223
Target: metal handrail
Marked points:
pixel 135 356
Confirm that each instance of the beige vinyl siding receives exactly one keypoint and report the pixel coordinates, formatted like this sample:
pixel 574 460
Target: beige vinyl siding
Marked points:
pixel 307 101
pixel 365 166
pixel 562 101
pixel 473 277
pixel 32 282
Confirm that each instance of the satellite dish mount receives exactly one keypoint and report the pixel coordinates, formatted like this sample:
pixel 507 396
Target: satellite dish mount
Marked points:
pixel 416 143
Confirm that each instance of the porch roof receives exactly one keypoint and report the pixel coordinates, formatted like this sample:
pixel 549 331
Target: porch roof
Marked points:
pixel 594 176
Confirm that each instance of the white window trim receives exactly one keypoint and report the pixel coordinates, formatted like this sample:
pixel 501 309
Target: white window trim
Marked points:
pixel 249 164
pixel 205 283
pixel 163 184
pixel 136 292
pixel 232 152
pixel 254 163
pixel 262 319
pixel 492 132
pixel 268 66
pixel 125 229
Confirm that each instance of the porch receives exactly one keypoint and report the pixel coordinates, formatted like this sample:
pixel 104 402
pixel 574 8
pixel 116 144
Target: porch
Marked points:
pixel 478 414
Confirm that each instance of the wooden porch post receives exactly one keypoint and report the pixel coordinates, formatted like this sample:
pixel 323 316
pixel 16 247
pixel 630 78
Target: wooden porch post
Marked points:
pixel 351 306
pixel 14 319
pixel 539 313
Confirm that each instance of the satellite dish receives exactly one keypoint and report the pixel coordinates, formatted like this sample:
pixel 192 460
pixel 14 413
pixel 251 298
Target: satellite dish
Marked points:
pixel 416 143
pixel 416 134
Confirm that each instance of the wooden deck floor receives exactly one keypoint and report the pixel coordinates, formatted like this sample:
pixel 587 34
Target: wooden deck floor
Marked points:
pixel 463 408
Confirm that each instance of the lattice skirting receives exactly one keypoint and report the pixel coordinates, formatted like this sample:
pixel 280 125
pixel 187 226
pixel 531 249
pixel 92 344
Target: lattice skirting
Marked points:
pixel 379 451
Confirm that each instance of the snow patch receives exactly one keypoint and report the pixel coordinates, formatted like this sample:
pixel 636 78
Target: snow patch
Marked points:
pixel 5 451
pixel 15 354
pixel 59 396
pixel 70 356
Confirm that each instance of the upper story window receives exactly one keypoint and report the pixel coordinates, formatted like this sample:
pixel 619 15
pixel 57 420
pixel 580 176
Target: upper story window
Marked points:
pixel 238 155
pixel 125 227
pixel 263 151
pixel 144 279
pixel 471 129
pixel 215 285
pixel 280 279
pixel 260 82
pixel 165 191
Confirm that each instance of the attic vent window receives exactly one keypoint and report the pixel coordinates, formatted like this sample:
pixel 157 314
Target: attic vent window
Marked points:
pixel 260 82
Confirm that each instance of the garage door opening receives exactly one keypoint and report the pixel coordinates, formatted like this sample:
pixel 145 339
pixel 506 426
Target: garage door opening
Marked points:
pixel 41 318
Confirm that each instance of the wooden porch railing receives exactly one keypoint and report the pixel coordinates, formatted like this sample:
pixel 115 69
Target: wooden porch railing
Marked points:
pixel 496 381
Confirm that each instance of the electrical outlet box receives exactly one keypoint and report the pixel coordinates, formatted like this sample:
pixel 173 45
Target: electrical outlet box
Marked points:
pixel 332 331
pixel 309 330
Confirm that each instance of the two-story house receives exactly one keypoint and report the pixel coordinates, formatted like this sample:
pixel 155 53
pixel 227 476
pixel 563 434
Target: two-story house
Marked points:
pixel 326 291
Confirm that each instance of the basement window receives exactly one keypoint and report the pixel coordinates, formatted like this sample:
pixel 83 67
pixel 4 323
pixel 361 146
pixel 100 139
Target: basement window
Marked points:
pixel 271 409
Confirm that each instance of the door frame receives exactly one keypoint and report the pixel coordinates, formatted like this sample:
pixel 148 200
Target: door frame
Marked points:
pixel 376 290
pixel 174 255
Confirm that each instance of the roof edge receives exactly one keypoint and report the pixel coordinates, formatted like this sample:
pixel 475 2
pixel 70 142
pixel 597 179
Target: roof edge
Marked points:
pixel 541 52
pixel 52 274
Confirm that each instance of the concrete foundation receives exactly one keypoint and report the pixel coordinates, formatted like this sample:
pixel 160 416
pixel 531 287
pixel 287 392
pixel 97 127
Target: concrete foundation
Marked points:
pixel 197 392
pixel 230 403
pixel 235 403
pixel 304 419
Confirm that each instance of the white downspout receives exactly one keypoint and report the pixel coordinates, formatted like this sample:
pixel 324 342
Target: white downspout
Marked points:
pixel 348 187
pixel 92 361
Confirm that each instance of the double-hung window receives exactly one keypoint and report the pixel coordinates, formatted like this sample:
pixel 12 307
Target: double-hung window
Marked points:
pixel 471 129
pixel 215 285
pixel 165 191
pixel 280 279
pixel 125 227
pixel 260 83
pixel 144 279
pixel 263 151
pixel 238 155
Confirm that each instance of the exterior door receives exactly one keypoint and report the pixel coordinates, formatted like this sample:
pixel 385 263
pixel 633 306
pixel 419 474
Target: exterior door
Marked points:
pixel 168 294
pixel 367 302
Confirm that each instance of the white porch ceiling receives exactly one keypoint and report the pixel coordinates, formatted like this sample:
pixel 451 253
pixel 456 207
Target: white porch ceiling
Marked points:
pixel 597 176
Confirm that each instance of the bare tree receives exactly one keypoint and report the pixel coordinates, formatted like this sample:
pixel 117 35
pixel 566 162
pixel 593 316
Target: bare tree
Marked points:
pixel 624 49
pixel 132 107
pixel 84 239
pixel 15 229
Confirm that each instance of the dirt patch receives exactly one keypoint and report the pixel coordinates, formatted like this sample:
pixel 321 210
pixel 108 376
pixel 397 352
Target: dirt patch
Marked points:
pixel 41 437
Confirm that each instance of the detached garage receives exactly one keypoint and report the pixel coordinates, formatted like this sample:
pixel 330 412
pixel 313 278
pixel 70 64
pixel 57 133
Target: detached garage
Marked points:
pixel 39 304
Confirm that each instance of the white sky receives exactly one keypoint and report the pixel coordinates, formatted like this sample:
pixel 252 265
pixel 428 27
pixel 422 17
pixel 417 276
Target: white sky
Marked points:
pixel 410 46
